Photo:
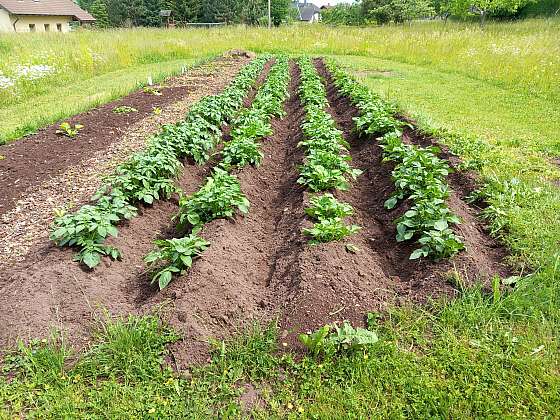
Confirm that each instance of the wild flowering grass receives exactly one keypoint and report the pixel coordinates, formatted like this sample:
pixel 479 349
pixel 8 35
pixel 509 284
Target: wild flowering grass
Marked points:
pixel 522 55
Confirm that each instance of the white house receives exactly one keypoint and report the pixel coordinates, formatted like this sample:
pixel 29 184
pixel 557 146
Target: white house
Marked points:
pixel 40 15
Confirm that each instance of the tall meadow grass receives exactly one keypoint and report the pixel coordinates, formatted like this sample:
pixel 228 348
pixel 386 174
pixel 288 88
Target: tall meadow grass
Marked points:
pixel 519 55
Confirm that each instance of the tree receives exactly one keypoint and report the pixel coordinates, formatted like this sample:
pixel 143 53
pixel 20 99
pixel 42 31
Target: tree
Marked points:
pixel 443 8
pixel 398 11
pixel 227 11
pixel 98 10
pixel 408 10
pixel 253 11
pixel 187 10
pixel 343 14
pixel 151 16
pixel 485 8
pixel 279 11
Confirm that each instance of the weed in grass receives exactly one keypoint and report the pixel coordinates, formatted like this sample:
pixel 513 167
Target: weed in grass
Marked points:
pixel 331 339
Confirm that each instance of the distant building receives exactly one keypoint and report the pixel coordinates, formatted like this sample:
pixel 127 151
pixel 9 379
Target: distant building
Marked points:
pixel 40 15
pixel 307 12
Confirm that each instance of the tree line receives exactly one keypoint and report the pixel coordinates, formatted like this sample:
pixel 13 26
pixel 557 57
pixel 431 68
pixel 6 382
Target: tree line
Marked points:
pixel 399 11
pixel 119 13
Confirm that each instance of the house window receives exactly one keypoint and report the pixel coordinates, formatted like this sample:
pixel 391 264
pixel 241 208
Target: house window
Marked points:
pixel 31 27
pixel 59 27
pixel 47 27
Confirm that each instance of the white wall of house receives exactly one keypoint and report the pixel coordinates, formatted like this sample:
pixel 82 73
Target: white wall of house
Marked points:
pixel 29 23
pixel 5 22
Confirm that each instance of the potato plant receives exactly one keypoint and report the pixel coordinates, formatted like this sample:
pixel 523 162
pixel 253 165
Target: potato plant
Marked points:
pixel 328 214
pixel 326 165
pixel 218 198
pixel 149 175
pixel 419 174
pixel 179 254
pixel 253 124
pixel 69 130
pixel 124 109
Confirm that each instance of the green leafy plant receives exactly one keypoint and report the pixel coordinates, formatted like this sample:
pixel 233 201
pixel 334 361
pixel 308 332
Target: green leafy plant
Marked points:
pixel 68 130
pixel 242 152
pixel 147 176
pixel 326 206
pixel 331 339
pixel 328 230
pixel 218 198
pixel 90 226
pixel 325 171
pixel 156 110
pixel 419 174
pixel 152 90
pixel 178 253
pixel 124 109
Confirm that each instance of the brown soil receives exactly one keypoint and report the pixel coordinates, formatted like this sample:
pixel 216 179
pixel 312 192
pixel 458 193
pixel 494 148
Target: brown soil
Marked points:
pixel 32 159
pixel 258 267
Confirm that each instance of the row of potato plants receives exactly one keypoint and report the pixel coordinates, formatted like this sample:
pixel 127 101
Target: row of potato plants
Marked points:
pixel 419 174
pixel 221 195
pixel 150 174
pixel 327 163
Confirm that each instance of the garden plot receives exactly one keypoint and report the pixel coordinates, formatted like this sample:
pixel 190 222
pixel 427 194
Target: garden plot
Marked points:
pixel 269 247
pixel 46 172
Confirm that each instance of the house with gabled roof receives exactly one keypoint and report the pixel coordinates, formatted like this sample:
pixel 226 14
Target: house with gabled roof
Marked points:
pixel 307 12
pixel 41 15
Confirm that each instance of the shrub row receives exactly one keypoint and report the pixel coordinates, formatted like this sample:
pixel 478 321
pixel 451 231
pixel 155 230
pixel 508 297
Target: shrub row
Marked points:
pixel 221 195
pixel 326 165
pixel 419 174
pixel 150 174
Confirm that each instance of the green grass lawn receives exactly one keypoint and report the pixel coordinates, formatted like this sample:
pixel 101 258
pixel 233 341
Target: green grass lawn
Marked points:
pixel 26 117
pixel 482 355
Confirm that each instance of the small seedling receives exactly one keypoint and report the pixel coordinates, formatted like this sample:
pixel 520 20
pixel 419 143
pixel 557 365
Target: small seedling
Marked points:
pixel 352 249
pixel 66 129
pixel 2 157
pixel 152 91
pixel 331 339
pixel 59 212
pixel 156 110
pixel 124 109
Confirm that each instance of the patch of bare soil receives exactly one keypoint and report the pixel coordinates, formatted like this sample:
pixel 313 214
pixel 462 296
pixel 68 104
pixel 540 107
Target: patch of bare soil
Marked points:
pixel 258 267
pixel 23 227
pixel 48 290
